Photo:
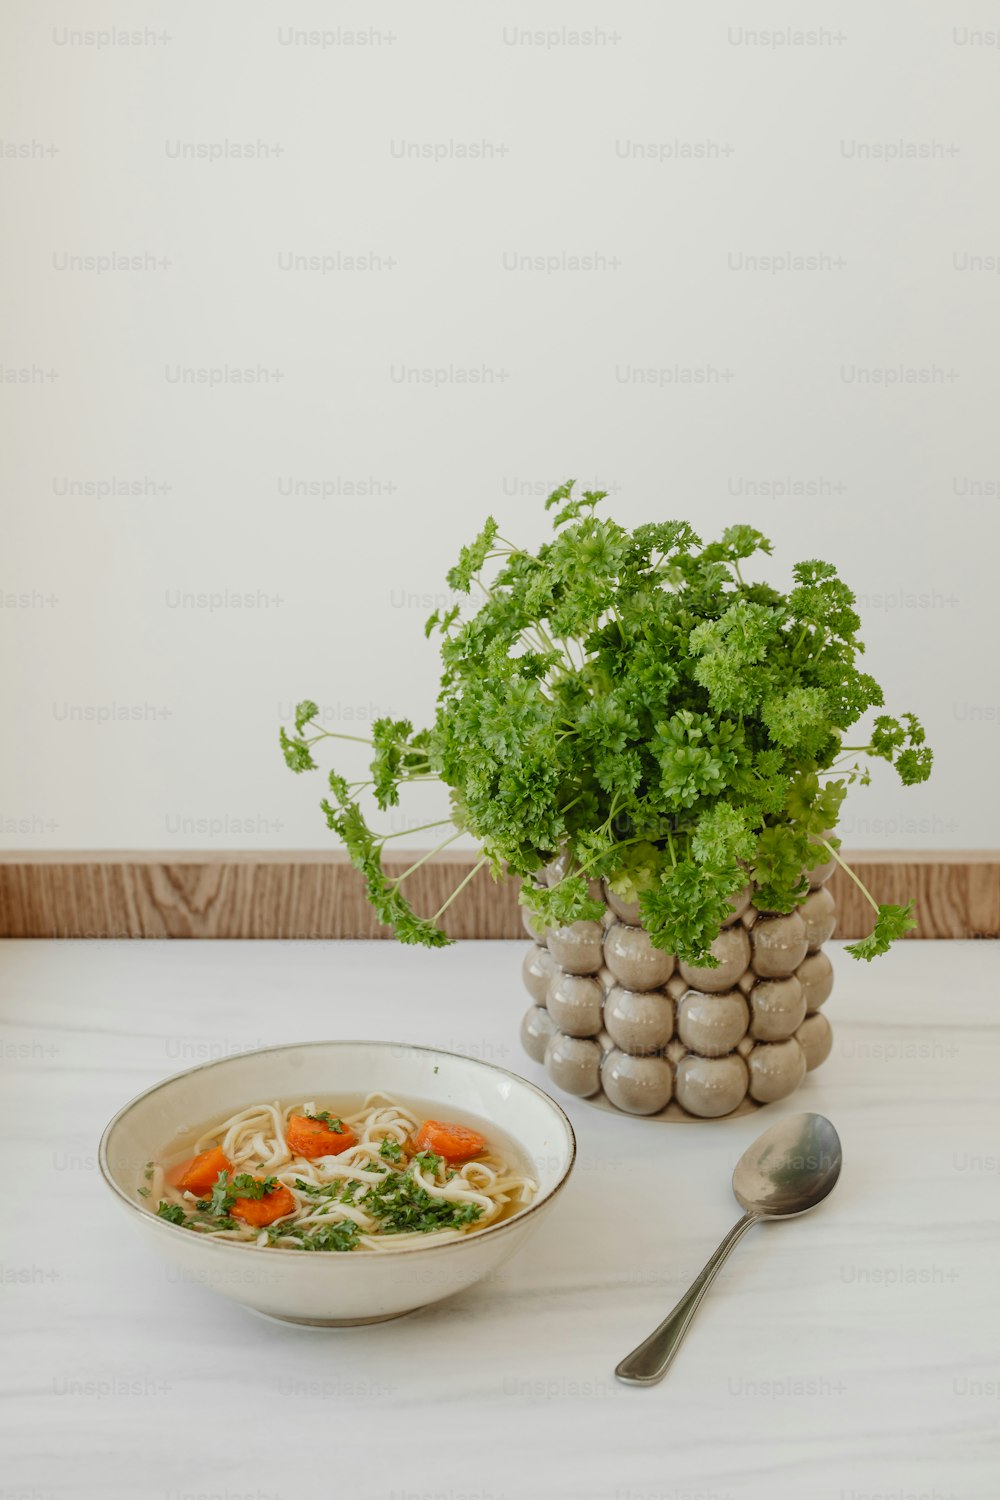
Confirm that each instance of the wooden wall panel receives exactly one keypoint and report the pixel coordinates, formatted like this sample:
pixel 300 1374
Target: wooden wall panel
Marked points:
pixel 306 894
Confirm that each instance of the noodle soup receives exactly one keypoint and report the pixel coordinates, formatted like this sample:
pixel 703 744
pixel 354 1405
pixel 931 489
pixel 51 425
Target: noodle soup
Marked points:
pixel 375 1175
pixel 155 1135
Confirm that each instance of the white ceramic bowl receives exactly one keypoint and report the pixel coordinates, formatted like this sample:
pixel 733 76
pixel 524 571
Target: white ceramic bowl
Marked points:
pixel 359 1286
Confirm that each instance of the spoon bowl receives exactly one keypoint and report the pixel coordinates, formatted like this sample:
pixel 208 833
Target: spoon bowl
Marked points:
pixel 785 1172
pixel 789 1169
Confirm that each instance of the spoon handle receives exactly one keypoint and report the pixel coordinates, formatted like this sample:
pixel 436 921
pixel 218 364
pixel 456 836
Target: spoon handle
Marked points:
pixel 649 1361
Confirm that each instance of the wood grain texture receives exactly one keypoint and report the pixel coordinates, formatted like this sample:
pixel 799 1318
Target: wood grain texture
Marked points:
pixel 306 894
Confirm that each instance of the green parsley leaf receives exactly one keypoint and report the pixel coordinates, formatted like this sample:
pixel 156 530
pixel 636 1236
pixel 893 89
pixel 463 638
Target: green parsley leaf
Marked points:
pixel 684 911
pixel 172 1212
pixel 305 712
pixel 471 559
pixel 781 857
pixel 341 1236
pixel 225 1192
pixel 892 922
pixel 298 756
pixel 568 901
pixel 244 1185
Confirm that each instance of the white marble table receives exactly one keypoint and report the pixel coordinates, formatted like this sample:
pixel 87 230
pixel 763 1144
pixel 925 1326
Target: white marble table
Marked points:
pixel 849 1356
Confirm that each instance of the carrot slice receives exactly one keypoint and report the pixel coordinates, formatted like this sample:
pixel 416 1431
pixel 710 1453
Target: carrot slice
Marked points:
pixel 261 1211
pixel 456 1143
pixel 198 1175
pixel 309 1136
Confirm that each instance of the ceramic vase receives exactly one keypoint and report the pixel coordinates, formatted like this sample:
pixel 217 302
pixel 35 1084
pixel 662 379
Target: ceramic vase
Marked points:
pixel 625 1026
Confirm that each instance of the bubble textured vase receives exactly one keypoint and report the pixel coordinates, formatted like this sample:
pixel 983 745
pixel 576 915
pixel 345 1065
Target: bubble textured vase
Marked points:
pixel 621 1024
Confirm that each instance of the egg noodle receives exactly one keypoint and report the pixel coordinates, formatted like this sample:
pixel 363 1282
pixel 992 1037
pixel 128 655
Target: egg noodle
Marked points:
pixel 378 1194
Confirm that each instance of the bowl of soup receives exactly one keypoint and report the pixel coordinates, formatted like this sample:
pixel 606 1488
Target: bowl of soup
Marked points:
pixel 337 1183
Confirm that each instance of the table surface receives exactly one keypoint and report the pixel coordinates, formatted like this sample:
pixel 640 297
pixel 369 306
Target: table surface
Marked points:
pixel 852 1354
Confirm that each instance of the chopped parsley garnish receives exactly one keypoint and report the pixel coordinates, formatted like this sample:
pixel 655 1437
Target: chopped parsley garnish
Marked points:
pixel 225 1193
pixel 222 1199
pixel 143 1192
pixel 402 1206
pixel 172 1212
pixel 245 1186
pixel 342 1236
pixel 147 1171
pixel 332 1122
pixel 324 1189
pixel 201 1221
pixel 429 1161
pixel 390 1150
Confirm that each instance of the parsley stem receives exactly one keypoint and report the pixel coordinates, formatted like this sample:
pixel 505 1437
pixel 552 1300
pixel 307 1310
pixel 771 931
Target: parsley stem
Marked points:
pixel 542 646
pixel 857 881
pixel 543 635
pixel 329 734
pixel 459 888
pixel 398 879
pixel 419 829
pixel 640 838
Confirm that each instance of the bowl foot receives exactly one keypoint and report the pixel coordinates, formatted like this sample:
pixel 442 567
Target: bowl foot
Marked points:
pixel 330 1322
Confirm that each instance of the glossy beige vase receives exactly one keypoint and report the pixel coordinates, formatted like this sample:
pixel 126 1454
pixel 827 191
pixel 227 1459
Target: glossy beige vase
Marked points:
pixel 626 1027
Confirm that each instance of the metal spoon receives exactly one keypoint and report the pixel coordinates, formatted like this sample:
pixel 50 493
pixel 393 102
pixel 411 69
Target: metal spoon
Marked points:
pixel 787 1171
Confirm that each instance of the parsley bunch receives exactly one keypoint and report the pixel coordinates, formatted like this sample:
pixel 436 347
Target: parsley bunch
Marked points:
pixel 631 700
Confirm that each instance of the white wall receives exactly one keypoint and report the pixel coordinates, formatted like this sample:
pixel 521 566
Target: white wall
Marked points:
pixel 908 474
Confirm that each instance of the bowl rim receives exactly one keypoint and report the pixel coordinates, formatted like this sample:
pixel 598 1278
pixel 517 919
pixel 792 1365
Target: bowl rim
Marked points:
pixel 246 1245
